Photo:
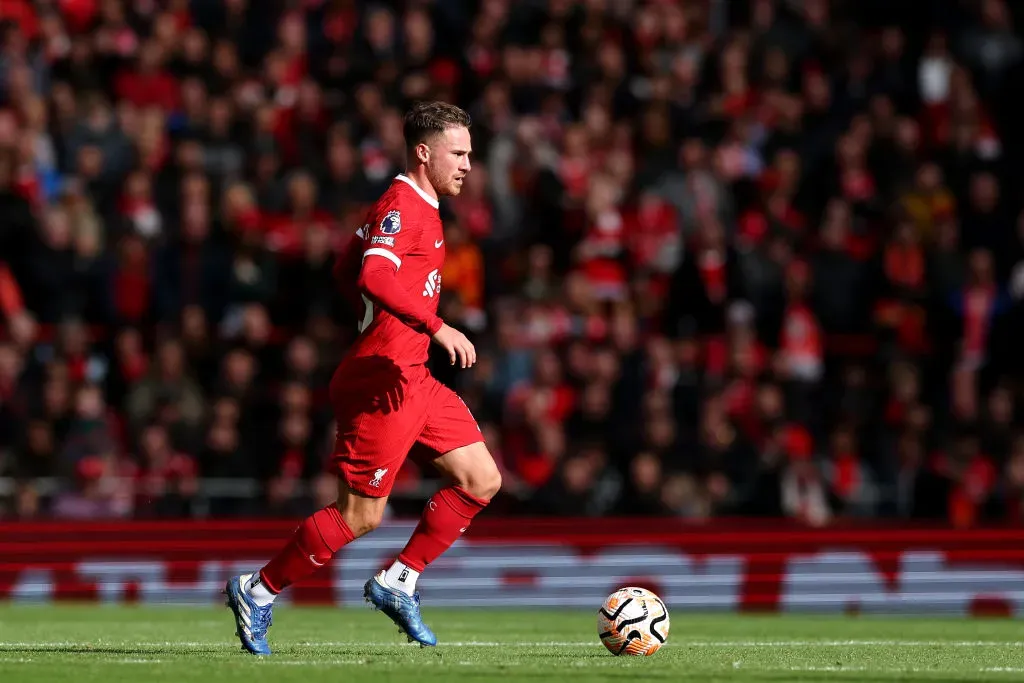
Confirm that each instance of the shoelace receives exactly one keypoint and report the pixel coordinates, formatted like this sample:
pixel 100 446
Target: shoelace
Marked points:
pixel 402 606
pixel 415 602
pixel 415 609
pixel 262 619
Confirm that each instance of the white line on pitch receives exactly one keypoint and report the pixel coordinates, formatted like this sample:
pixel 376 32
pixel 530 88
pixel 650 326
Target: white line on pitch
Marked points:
pixel 577 643
pixel 849 643
pixel 886 670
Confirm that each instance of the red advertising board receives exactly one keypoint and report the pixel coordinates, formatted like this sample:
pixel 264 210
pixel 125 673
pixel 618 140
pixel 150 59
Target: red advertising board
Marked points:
pixel 728 566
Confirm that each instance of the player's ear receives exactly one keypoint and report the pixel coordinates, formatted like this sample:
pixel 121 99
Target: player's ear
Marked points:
pixel 422 153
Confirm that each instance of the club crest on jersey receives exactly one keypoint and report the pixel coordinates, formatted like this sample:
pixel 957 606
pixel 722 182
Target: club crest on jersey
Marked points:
pixel 391 223
pixel 378 477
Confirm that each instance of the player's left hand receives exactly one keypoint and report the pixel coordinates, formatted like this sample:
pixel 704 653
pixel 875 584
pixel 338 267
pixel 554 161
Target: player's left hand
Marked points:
pixel 460 349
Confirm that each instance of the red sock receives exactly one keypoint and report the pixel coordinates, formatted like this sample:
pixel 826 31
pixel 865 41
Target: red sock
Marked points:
pixel 312 545
pixel 444 519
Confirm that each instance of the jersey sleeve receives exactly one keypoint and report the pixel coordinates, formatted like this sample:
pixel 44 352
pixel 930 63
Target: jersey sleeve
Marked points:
pixel 390 237
pixel 390 241
pixel 377 280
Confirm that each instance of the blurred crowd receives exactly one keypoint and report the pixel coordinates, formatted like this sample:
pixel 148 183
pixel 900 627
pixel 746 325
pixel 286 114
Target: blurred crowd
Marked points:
pixel 719 258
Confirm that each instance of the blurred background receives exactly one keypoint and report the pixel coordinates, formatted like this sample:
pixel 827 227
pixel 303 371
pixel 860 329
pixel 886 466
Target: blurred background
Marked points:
pixel 719 258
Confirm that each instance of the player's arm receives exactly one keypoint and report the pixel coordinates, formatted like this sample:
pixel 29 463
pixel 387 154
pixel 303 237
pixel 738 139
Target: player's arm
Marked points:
pixel 386 243
pixel 378 282
pixel 386 246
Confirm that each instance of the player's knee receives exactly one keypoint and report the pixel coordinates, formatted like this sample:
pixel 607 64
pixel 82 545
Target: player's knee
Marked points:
pixel 492 485
pixel 483 482
pixel 365 525
pixel 362 515
pixel 362 522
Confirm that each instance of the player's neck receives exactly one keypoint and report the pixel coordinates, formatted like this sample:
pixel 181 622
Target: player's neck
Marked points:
pixel 419 176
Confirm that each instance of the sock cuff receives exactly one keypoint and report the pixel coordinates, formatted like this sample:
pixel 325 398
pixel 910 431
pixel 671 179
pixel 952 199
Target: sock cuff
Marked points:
pixel 331 526
pixel 270 587
pixel 461 502
pixel 339 521
pixel 469 499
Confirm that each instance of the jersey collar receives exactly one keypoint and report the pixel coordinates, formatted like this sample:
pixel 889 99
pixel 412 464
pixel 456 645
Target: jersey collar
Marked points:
pixel 426 197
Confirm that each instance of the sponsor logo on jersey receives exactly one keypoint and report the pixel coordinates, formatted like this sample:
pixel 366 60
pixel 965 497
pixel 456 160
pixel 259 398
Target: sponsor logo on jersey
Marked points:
pixel 433 284
pixel 391 223
pixel 377 239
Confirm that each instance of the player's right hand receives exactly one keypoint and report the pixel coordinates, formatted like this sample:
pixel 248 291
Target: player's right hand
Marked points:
pixel 459 348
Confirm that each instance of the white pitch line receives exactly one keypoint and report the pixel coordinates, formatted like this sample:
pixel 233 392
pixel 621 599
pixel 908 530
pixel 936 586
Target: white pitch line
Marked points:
pixel 320 662
pixel 830 669
pixel 850 643
pixel 35 645
pixel 582 663
pixel 886 670
pixel 126 644
pixel 464 643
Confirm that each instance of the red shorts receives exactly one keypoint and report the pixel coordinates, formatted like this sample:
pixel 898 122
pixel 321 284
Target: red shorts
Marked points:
pixel 382 412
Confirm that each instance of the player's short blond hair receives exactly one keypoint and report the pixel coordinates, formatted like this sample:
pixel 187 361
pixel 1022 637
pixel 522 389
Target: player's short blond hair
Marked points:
pixel 426 119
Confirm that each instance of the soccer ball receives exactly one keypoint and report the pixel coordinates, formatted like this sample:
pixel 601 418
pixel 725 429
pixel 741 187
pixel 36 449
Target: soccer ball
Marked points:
pixel 633 621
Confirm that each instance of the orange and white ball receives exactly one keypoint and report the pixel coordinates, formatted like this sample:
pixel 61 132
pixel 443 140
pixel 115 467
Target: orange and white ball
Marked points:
pixel 633 621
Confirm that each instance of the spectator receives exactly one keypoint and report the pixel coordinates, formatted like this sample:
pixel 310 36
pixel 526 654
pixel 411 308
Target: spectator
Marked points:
pixel 760 262
pixel 167 384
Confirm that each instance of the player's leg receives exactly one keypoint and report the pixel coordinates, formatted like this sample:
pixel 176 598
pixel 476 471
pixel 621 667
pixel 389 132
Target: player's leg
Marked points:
pixel 318 538
pixel 452 434
pixel 370 448
pixel 446 516
pixel 475 479
pixel 312 545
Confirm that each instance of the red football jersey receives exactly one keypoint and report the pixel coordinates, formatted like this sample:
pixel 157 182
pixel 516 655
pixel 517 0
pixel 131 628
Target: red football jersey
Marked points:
pixel 404 227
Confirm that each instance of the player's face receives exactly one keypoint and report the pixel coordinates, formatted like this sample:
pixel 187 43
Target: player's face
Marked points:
pixel 449 161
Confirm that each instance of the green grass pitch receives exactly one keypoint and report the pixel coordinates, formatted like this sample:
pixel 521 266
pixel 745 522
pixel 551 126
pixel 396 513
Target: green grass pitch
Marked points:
pixel 78 644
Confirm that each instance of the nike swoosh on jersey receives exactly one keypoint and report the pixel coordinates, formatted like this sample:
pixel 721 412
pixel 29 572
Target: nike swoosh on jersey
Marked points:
pixel 312 559
pixel 437 244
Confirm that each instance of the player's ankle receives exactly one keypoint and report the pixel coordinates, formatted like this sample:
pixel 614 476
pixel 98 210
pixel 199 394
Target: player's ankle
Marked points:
pixel 257 590
pixel 401 577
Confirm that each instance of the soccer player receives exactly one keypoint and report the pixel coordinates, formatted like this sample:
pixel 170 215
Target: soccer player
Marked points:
pixel 385 401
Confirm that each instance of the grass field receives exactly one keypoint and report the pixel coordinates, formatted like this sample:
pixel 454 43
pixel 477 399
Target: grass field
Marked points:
pixel 77 644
